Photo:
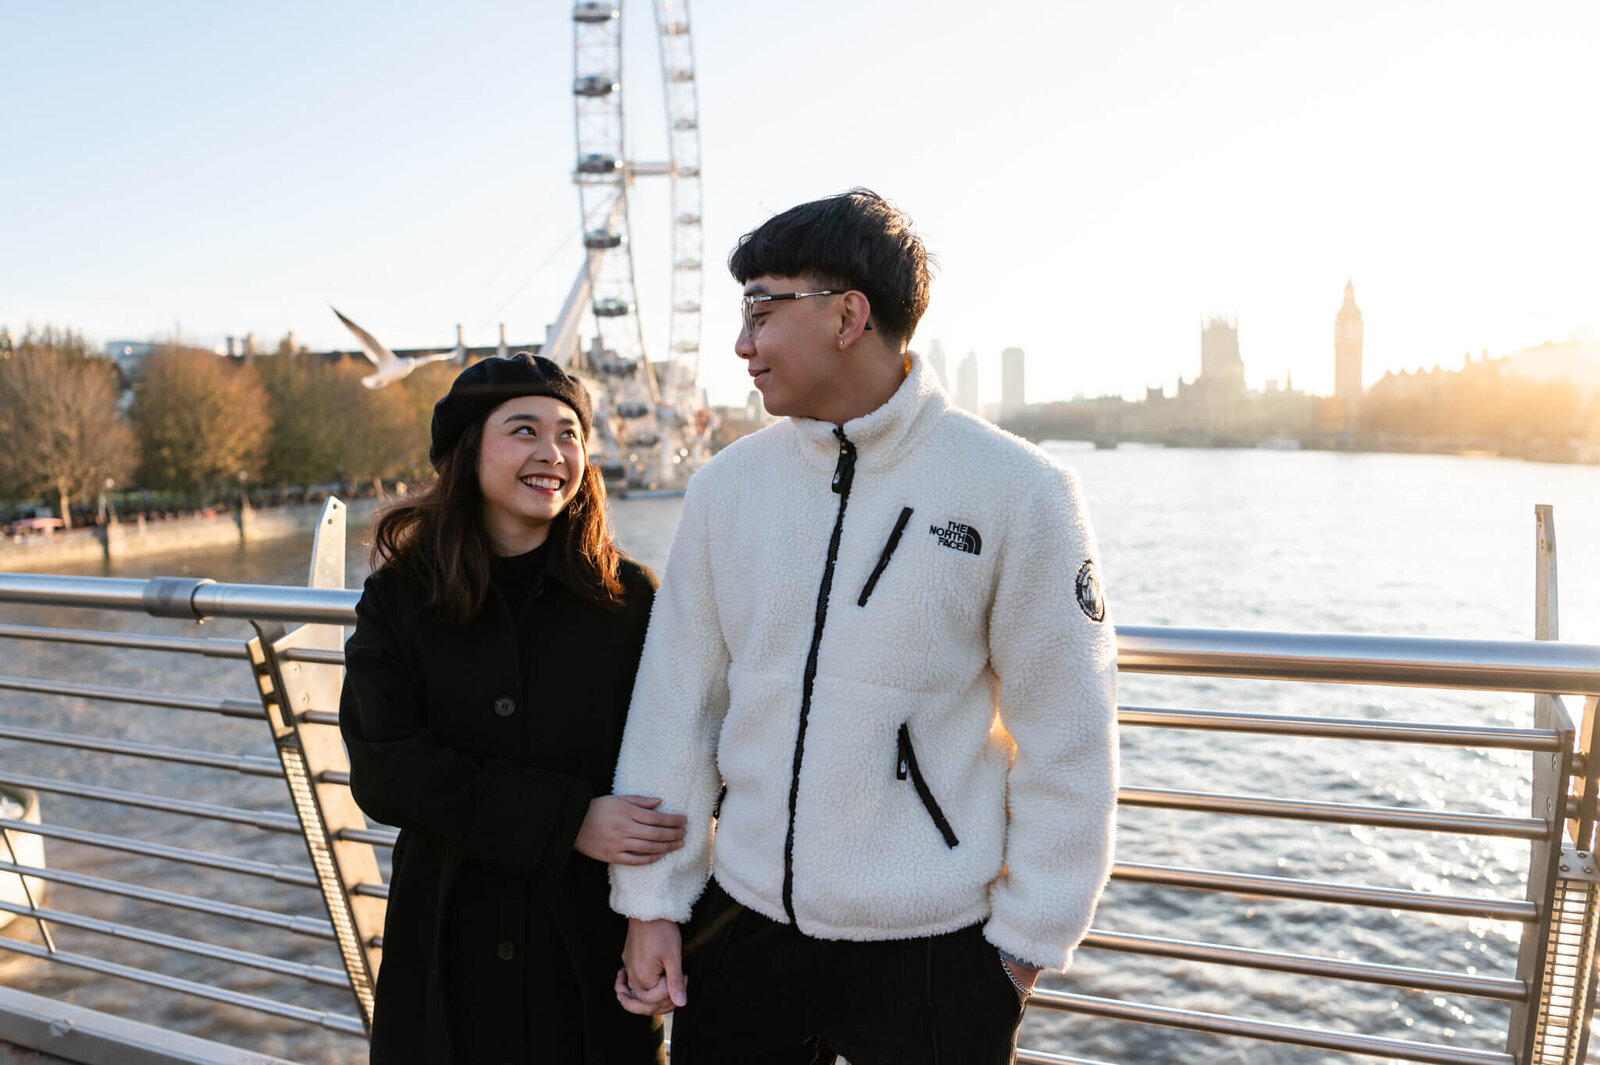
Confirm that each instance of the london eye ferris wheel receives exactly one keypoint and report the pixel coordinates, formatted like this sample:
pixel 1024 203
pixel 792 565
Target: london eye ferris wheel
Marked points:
pixel 648 413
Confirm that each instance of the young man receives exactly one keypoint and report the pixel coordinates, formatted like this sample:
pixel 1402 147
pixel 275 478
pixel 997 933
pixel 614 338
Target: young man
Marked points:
pixel 879 681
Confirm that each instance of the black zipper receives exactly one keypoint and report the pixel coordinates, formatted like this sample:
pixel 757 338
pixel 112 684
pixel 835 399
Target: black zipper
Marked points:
pixel 908 764
pixel 883 559
pixel 843 474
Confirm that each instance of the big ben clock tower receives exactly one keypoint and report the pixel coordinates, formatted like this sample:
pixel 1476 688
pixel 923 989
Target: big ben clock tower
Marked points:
pixel 1347 335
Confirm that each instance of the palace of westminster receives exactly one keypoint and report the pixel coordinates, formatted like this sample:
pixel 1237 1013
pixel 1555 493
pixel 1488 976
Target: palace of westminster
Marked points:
pixel 1217 406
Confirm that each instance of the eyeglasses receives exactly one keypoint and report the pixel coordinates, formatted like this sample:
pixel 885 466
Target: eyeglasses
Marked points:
pixel 748 304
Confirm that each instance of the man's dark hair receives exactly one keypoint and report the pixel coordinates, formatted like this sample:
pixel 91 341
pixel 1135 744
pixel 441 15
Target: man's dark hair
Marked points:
pixel 854 240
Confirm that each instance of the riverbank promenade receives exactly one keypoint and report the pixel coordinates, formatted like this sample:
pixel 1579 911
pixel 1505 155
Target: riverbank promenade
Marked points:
pixel 116 541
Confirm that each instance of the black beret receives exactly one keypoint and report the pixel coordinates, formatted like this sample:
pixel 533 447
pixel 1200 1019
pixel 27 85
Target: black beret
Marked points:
pixel 487 383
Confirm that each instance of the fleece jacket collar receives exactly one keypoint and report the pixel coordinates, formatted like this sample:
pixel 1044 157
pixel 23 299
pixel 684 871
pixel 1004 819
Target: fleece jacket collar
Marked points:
pixel 886 435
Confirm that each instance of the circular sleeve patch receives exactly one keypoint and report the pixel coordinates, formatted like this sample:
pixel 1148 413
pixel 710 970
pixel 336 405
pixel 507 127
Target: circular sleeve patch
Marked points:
pixel 1090 597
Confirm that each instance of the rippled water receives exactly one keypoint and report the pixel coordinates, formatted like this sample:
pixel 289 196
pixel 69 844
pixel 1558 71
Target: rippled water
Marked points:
pixel 1414 545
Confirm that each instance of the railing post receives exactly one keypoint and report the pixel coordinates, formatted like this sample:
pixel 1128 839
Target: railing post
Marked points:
pixel 310 753
pixel 1556 958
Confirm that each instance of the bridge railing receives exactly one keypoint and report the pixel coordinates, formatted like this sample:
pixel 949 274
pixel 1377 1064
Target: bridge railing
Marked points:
pixel 329 903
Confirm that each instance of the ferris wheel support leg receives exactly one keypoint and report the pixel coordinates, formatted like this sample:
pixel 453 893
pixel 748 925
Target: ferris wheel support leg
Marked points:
pixel 561 336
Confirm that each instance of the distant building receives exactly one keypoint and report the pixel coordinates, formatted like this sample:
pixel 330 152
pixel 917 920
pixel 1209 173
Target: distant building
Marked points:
pixel 129 355
pixel 1220 365
pixel 1215 401
pixel 1347 338
pixel 936 360
pixel 967 383
pixel 1013 387
pixel 1575 361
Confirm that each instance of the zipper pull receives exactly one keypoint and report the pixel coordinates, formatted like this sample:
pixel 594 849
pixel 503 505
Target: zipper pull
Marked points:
pixel 846 469
pixel 904 742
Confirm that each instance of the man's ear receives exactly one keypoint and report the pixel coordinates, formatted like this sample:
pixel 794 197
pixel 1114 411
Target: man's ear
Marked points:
pixel 855 317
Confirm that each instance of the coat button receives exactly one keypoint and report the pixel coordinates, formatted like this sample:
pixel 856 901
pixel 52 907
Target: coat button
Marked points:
pixel 506 950
pixel 505 706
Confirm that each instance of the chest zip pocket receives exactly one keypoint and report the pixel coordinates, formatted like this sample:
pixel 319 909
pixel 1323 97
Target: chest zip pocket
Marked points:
pixel 908 766
pixel 883 559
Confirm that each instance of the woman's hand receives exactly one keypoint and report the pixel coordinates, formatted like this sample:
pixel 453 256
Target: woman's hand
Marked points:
pixel 627 830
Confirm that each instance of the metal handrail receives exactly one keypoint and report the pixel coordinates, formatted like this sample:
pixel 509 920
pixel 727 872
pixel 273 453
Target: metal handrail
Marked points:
pixel 1280 887
pixel 1272 1031
pixel 314 927
pixel 195 599
pixel 1515 666
pixel 135 696
pixel 1336 813
pixel 1418 661
pixel 1471 984
pixel 210 646
pixel 333 1021
pixel 316 974
pixel 266 820
pixel 1343 728
pixel 248 764
pixel 282 874
pixel 1484 665
pixel 377 837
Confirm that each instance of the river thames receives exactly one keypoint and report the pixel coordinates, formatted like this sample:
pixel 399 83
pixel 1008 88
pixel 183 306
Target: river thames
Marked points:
pixel 1250 539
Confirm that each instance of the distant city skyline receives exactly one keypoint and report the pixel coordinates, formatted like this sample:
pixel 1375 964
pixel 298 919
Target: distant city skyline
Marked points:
pixel 1247 159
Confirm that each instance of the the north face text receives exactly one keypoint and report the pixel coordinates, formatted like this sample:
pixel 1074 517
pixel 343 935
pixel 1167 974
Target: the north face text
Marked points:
pixel 958 536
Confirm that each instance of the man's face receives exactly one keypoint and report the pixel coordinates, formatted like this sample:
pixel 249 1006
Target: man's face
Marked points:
pixel 792 349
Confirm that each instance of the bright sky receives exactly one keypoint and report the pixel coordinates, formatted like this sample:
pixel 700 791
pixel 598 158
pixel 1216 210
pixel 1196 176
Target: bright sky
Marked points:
pixel 1093 178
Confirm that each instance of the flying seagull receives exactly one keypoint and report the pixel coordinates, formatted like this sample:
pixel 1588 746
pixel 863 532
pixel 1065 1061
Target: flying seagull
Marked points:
pixel 392 367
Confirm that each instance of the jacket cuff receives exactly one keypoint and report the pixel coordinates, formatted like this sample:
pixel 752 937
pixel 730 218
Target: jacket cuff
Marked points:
pixel 1006 955
pixel 637 892
pixel 1019 946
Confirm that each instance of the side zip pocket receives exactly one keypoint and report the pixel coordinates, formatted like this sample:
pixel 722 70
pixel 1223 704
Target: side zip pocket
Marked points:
pixel 908 765
pixel 883 559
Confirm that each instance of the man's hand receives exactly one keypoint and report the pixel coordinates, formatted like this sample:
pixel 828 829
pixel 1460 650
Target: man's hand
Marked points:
pixel 1022 975
pixel 627 830
pixel 652 980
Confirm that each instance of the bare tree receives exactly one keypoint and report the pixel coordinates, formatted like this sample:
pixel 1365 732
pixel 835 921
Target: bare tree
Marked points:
pixel 59 418
pixel 203 419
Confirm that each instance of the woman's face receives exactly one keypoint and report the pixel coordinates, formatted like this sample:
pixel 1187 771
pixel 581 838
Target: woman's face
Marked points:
pixel 530 466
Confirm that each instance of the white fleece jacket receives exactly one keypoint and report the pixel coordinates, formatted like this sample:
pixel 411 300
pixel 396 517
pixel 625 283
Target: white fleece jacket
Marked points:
pixel 933 743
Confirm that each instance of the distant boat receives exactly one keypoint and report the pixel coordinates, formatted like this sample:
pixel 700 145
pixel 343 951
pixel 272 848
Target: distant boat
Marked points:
pixel 1279 443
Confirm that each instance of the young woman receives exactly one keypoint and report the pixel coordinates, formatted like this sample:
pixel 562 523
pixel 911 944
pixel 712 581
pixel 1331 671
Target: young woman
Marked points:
pixel 485 690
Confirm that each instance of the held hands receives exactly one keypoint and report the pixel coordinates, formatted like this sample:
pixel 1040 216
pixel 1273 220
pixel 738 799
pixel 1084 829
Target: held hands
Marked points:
pixel 627 830
pixel 651 980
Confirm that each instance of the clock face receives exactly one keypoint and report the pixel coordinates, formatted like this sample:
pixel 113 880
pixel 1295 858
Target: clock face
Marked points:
pixel 1352 330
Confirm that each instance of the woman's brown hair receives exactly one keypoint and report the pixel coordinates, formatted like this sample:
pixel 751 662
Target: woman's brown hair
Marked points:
pixel 438 537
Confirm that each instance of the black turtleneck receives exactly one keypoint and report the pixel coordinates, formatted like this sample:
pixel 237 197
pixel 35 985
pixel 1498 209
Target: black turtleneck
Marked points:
pixel 515 575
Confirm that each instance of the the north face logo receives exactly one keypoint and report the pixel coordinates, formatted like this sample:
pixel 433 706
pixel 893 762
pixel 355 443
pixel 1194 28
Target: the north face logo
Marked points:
pixel 958 536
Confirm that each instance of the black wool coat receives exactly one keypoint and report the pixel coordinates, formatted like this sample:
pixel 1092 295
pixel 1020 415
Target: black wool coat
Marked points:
pixel 483 743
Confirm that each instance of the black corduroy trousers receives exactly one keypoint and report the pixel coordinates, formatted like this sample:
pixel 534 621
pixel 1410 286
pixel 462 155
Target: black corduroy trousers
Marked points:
pixel 762 991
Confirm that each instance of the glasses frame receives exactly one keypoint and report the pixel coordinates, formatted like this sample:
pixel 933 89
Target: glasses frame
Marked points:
pixel 747 304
